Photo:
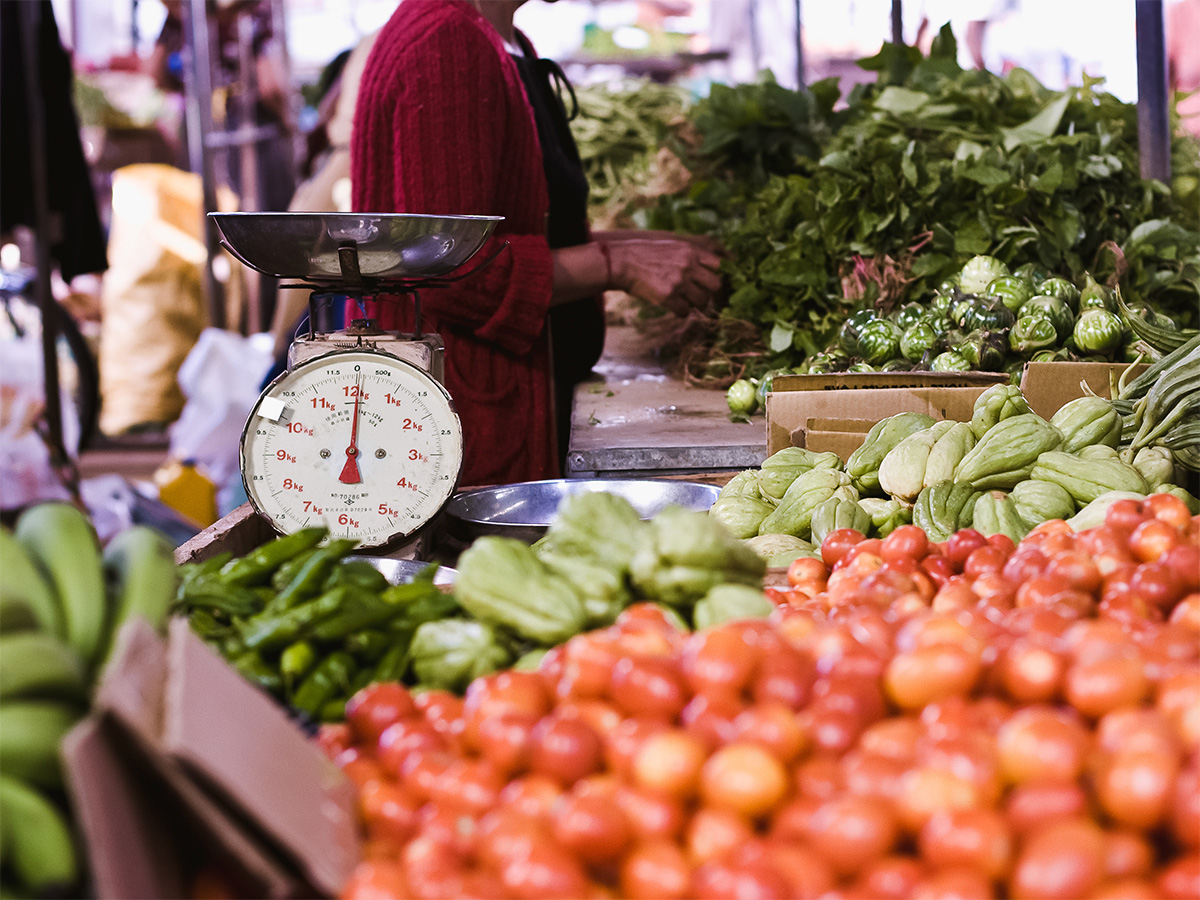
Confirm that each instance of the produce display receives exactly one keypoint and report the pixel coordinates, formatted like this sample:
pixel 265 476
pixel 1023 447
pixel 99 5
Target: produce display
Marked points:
pixel 966 718
pixel 828 208
pixel 1003 472
pixel 620 132
pixel 311 627
pixel 62 602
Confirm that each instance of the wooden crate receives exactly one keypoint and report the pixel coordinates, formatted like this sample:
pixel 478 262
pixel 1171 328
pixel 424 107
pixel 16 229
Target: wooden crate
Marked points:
pixel 238 533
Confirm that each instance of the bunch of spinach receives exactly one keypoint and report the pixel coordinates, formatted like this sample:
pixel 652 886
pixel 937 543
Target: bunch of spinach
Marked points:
pixel 925 168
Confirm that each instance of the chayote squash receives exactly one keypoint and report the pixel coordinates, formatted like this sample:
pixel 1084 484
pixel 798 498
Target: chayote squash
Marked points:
pixel 599 524
pixel 685 553
pixel 886 515
pixel 902 472
pixel 1087 479
pixel 947 452
pixel 1007 452
pixel 999 402
pixel 838 512
pixel 780 550
pixel 602 585
pixel 1098 451
pixel 502 581
pixel 743 484
pixel 863 464
pixel 995 513
pixel 794 513
pixel 1175 490
pixel 1040 501
pixel 1156 465
pixel 741 515
pixel 780 469
pixel 451 653
pixel 727 602
pixel 944 508
pixel 1087 421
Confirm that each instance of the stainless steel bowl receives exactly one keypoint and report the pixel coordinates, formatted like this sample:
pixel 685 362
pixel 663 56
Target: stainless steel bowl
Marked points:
pixel 402 571
pixel 390 246
pixel 525 510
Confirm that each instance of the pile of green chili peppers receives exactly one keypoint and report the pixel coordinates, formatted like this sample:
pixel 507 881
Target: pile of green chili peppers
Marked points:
pixel 306 624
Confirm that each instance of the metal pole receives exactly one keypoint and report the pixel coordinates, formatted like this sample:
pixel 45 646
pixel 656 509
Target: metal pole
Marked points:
pixel 1154 127
pixel 897 22
pixel 31 26
pixel 799 48
pixel 197 72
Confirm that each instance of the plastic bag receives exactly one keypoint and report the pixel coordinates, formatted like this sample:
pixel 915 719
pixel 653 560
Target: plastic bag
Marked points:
pixel 221 378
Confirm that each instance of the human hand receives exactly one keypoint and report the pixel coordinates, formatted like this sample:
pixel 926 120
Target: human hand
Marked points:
pixel 673 273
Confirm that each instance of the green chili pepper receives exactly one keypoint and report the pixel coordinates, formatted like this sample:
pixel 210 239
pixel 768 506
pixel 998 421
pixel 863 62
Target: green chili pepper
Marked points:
pixel 209 592
pixel 368 646
pixel 295 661
pixel 255 670
pixel 421 602
pixel 333 711
pixel 393 663
pixel 285 573
pixel 279 629
pixel 331 675
pixel 363 610
pixel 358 572
pixel 191 571
pixel 257 566
pixel 307 580
pixel 205 625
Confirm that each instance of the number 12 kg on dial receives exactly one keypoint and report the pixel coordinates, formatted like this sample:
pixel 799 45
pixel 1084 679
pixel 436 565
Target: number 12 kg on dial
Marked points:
pixel 364 442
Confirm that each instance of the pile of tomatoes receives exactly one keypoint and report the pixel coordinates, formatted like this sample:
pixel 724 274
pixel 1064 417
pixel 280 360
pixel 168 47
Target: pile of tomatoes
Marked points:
pixel 967 719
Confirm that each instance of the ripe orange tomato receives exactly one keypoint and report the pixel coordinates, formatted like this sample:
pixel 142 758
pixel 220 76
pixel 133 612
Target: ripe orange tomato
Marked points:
pixel 745 778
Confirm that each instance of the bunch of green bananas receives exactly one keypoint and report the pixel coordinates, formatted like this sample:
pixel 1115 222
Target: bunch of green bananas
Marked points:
pixel 62 600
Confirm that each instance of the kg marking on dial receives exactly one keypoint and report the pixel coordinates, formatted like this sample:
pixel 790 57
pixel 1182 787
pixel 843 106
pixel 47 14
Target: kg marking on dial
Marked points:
pixel 358 420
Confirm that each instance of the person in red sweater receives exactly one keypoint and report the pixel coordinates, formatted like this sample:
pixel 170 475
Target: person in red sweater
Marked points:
pixel 457 116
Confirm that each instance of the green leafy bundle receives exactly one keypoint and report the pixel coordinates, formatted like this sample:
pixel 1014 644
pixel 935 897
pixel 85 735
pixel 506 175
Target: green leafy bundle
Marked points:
pixel 928 167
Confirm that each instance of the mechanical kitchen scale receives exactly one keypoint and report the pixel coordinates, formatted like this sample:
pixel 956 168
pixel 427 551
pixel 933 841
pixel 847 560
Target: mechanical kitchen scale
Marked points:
pixel 359 432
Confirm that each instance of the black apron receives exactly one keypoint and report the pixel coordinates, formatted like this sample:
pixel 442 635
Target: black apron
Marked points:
pixel 576 328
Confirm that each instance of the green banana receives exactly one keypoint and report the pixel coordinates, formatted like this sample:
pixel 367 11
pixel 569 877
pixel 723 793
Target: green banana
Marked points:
pixel 30 732
pixel 22 585
pixel 139 564
pixel 41 850
pixel 60 538
pixel 38 664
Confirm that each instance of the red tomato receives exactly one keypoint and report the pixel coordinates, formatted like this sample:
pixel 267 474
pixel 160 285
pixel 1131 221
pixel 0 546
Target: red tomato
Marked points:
pixel 1158 583
pixel 432 868
pixel 1124 515
pixel 472 785
pixel 375 707
pixel 532 795
pixel 1027 562
pixel 889 878
pixel 938 568
pixel 745 778
pixel 1180 880
pixel 977 839
pixel 1040 743
pixel 1096 686
pixel 566 749
pixel 506 834
pixel 403 738
pixel 849 832
pixel 657 870
pixel 587 664
pixel 838 543
pixel 709 718
pixel 961 545
pixel 1061 861
pixel 374 880
pixel 333 739
pixel 507 692
pixel 1030 806
pixel 1185 808
pixel 808 875
pixel 1152 539
pixel 772 725
pixel 751 881
pixel 652 816
pixel 785 676
pixel 669 762
pixel 927 674
pixel 1168 508
pixel 622 745
pixel 905 542
pixel 388 811
pixel 1136 787
pixel 648 687
pixel 1003 543
pixel 1030 671
pixel 592 827
pixel 1127 854
pixel 719 660
pixel 805 569
pixel 713 833
pixel 953 884
pixel 1184 561
pixel 545 873
pixel 504 741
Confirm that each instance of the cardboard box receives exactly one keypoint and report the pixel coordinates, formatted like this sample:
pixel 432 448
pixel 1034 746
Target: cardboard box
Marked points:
pixel 843 408
pixel 184 766
pixel 1048 386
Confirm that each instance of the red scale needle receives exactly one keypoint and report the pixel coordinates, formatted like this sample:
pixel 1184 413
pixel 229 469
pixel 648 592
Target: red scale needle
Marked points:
pixel 350 473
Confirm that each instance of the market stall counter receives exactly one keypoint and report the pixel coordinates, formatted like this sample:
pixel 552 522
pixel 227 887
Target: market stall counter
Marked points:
pixel 634 419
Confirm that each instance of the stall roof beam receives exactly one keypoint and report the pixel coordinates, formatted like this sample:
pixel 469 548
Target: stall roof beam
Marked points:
pixel 1154 126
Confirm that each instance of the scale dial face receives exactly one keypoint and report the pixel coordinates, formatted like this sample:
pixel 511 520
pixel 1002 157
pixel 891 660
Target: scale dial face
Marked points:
pixel 364 442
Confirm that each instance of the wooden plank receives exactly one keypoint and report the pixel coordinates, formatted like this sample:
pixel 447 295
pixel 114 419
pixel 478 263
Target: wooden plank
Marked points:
pixel 238 533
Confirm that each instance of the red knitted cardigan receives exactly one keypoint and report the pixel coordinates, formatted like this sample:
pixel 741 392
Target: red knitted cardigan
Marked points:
pixel 443 127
